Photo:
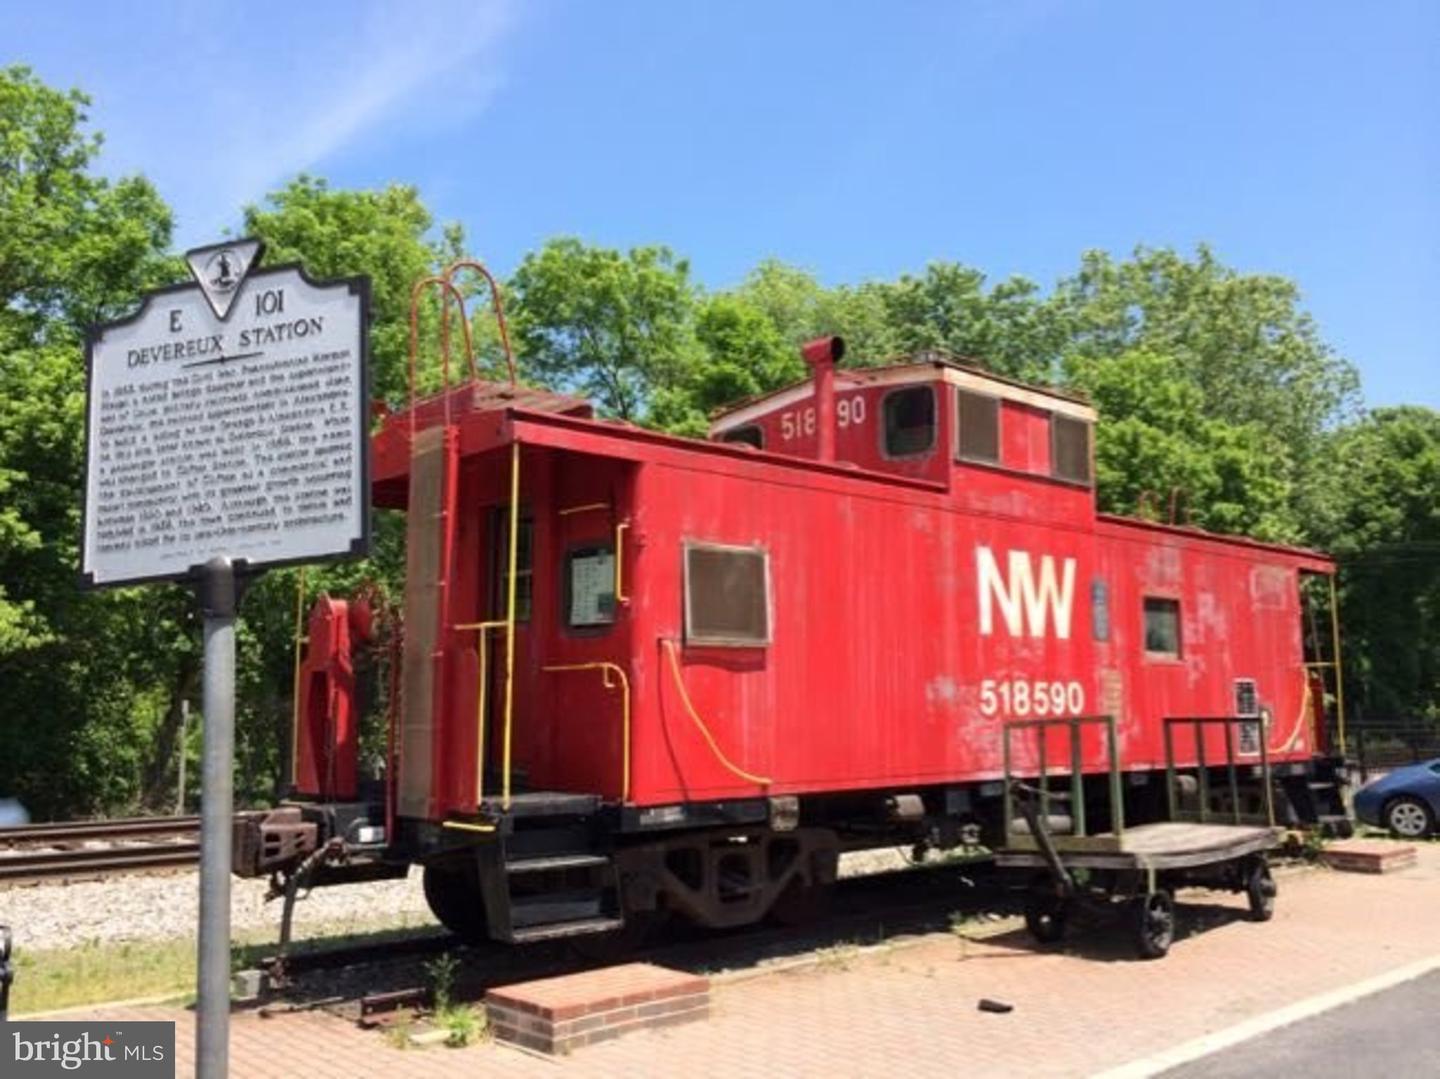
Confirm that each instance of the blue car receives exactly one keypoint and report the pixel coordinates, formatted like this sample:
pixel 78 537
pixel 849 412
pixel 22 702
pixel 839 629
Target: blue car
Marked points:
pixel 1406 801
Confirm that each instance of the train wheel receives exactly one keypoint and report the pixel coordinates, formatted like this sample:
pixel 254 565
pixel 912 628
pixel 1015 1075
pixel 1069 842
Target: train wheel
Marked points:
pixel 1046 916
pixel 1154 916
pixel 1260 890
pixel 453 891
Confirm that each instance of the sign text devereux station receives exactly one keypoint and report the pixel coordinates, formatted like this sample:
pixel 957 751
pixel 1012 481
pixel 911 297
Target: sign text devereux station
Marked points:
pixel 227 417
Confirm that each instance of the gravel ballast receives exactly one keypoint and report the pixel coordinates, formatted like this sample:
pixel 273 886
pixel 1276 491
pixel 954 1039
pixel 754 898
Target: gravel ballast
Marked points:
pixel 163 906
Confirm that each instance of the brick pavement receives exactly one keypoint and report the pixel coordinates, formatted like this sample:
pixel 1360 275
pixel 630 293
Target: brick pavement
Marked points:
pixel 912 1008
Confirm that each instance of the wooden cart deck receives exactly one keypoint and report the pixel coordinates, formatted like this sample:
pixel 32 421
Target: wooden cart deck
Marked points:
pixel 1166 845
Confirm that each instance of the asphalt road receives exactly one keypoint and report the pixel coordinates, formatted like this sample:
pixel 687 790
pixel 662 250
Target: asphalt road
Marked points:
pixel 1392 1033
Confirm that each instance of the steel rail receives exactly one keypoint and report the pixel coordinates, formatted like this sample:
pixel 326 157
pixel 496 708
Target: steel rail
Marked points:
pixel 96 861
pixel 99 829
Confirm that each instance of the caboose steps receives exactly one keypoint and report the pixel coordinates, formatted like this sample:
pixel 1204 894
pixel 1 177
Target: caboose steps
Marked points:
pixel 557 930
pixel 564 861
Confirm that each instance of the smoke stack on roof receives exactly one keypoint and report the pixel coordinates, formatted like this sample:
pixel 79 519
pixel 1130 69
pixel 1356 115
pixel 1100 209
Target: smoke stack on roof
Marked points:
pixel 822 354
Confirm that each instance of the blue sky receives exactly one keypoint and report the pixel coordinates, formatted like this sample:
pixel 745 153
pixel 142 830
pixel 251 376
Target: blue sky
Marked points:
pixel 857 140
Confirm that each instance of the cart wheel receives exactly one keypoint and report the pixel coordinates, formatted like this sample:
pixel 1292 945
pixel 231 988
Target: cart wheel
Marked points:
pixel 1154 924
pixel 1260 889
pixel 1045 917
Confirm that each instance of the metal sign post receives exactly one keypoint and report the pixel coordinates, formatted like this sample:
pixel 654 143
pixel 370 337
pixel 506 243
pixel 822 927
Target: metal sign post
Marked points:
pixel 226 431
pixel 218 600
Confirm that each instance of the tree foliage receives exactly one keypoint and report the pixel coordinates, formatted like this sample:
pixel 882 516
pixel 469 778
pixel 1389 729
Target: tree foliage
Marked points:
pixel 385 234
pixel 1382 519
pixel 611 326
pixel 80 673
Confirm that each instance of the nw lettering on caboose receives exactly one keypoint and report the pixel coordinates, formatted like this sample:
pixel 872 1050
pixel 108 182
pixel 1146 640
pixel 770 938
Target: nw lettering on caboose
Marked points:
pixel 1027 605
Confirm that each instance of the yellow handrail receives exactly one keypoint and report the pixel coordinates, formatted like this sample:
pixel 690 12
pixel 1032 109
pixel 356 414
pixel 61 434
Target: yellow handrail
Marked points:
pixel 607 669
pixel 466 826
pixel 510 615
pixel 300 642
pixel 482 699
pixel 1335 658
pixel 620 596
pixel 751 777
pixel 586 508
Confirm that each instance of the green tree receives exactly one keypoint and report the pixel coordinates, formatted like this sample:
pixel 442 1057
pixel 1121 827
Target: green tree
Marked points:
pixel 92 670
pixel 386 233
pixel 1007 328
pixel 741 354
pixel 1155 444
pixel 802 309
pixel 1256 356
pixel 614 327
pixel 1382 520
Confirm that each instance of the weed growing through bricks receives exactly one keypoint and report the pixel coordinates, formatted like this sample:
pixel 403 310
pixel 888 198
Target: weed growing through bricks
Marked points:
pixel 398 1035
pixel 838 956
pixel 441 971
pixel 463 1024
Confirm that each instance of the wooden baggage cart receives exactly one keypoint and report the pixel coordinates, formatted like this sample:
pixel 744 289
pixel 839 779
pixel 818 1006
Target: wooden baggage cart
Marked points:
pixel 1138 869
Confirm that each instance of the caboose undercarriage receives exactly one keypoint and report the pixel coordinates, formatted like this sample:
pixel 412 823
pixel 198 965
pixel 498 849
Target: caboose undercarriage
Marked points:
pixel 564 865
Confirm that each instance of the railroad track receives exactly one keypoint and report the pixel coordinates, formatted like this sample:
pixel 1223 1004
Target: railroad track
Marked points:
pixel 91 849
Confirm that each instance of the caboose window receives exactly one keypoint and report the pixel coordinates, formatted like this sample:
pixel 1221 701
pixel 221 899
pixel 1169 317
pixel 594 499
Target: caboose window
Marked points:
pixel 749 434
pixel 590 587
pixel 909 421
pixel 1162 627
pixel 1069 449
pixel 524 564
pixel 727 595
pixel 978 427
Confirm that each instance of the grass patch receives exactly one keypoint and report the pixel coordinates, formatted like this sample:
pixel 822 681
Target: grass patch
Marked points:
pixel 93 972
pixel 96 971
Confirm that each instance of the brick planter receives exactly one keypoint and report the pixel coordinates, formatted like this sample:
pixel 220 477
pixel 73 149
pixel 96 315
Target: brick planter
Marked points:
pixel 1368 856
pixel 556 1015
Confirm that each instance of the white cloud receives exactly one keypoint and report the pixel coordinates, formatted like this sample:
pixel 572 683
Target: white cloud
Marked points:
pixel 254 97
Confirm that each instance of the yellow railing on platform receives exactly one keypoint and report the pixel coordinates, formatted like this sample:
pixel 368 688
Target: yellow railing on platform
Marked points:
pixel 608 669
pixel 510 617
pixel 482 697
pixel 1335 657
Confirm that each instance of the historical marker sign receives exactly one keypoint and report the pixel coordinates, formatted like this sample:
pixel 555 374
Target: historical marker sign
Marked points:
pixel 228 418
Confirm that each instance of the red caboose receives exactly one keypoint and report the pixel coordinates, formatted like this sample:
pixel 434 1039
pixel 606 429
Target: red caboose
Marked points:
pixel 646 673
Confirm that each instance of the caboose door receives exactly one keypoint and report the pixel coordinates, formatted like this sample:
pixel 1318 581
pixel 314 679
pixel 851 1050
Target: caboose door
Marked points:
pixel 497 577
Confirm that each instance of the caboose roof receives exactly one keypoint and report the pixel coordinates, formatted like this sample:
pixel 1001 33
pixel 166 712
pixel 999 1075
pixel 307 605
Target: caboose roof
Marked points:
pixel 919 367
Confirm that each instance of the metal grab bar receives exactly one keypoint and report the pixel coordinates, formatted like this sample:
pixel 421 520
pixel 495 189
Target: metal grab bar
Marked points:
pixel 1197 725
pixel 482 698
pixel 447 292
pixel 496 303
pixel 1073 726
pixel 607 669
pixel 620 529
pixel 510 613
